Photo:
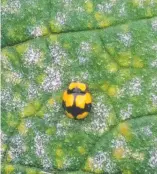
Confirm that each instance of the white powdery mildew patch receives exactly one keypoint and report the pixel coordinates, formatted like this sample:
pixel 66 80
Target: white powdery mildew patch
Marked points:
pixel 120 142
pixel 35 31
pixel 11 7
pixel 61 18
pixel 50 116
pixel 102 161
pixel 53 80
pixel 135 87
pixel 31 56
pixel 153 159
pixel 13 77
pixel 85 47
pixel 99 122
pixel 154 25
pixel 71 7
pixel 60 130
pixel 9 102
pixel 17 103
pixel 125 38
pixel 146 131
pixel 40 143
pixel 122 10
pixel 154 47
pixel 82 76
pixel 83 52
pixel 5 63
pixel 83 60
pixel 32 91
pixel 58 55
pixel 68 161
pixel 153 98
pixel 144 3
pixel 131 88
pixel 28 123
pixel 67 2
pixel 154 83
pixel 3 138
pixel 17 147
pixel 135 154
pixel 106 7
pixel 126 112
pixel 6 96
pixel 154 63
pixel 78 9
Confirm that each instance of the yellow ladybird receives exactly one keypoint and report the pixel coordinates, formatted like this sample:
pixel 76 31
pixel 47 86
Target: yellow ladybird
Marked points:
pixel 77 100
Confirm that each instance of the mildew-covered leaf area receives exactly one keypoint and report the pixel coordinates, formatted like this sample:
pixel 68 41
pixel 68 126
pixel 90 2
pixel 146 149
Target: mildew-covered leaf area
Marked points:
pixel 109 44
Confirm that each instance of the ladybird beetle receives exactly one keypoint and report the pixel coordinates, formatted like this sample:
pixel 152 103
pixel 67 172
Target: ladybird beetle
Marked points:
pixel 77 100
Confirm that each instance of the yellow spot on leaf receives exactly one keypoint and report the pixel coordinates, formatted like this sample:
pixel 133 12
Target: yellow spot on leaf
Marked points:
pixel 110 49
pixel 59 152
pixel 50 131
pixel 55 27
pixel 124 130
pixel 105 86
pixel 112 67
pixel 4 147
pixel 124 59
pixel 40 78
pixel 81 150
pixel 9 158
pixel 31 171
pixel 149 12
pixel 135 2
pixel 44 30
pixel 11 121
pixel 137 62
pixel 31 108
pixel 89 25
pixel 126 172
pixel 59 163
pixel 41 112
pixel 11 33
pixel 125 28
pixel 112 90
pixel 54 38
pixel 22 128
pixel 89 164
pixel 97 48
pixel 66 45
pixel 112 119
pixel 98 16
pixel 9 169
pixel 89 6
pixel 51 101
pixel 21 48
pixel 104 23
pixel 124 74
pixel 118 153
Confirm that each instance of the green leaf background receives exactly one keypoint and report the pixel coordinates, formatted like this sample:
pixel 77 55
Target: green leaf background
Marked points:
pixel 109 44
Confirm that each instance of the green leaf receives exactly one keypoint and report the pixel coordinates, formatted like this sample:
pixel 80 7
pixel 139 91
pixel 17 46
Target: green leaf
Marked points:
pixel 109 44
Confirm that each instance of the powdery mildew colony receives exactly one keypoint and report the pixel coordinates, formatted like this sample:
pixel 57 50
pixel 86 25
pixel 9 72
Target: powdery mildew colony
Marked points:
pixel 109 44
